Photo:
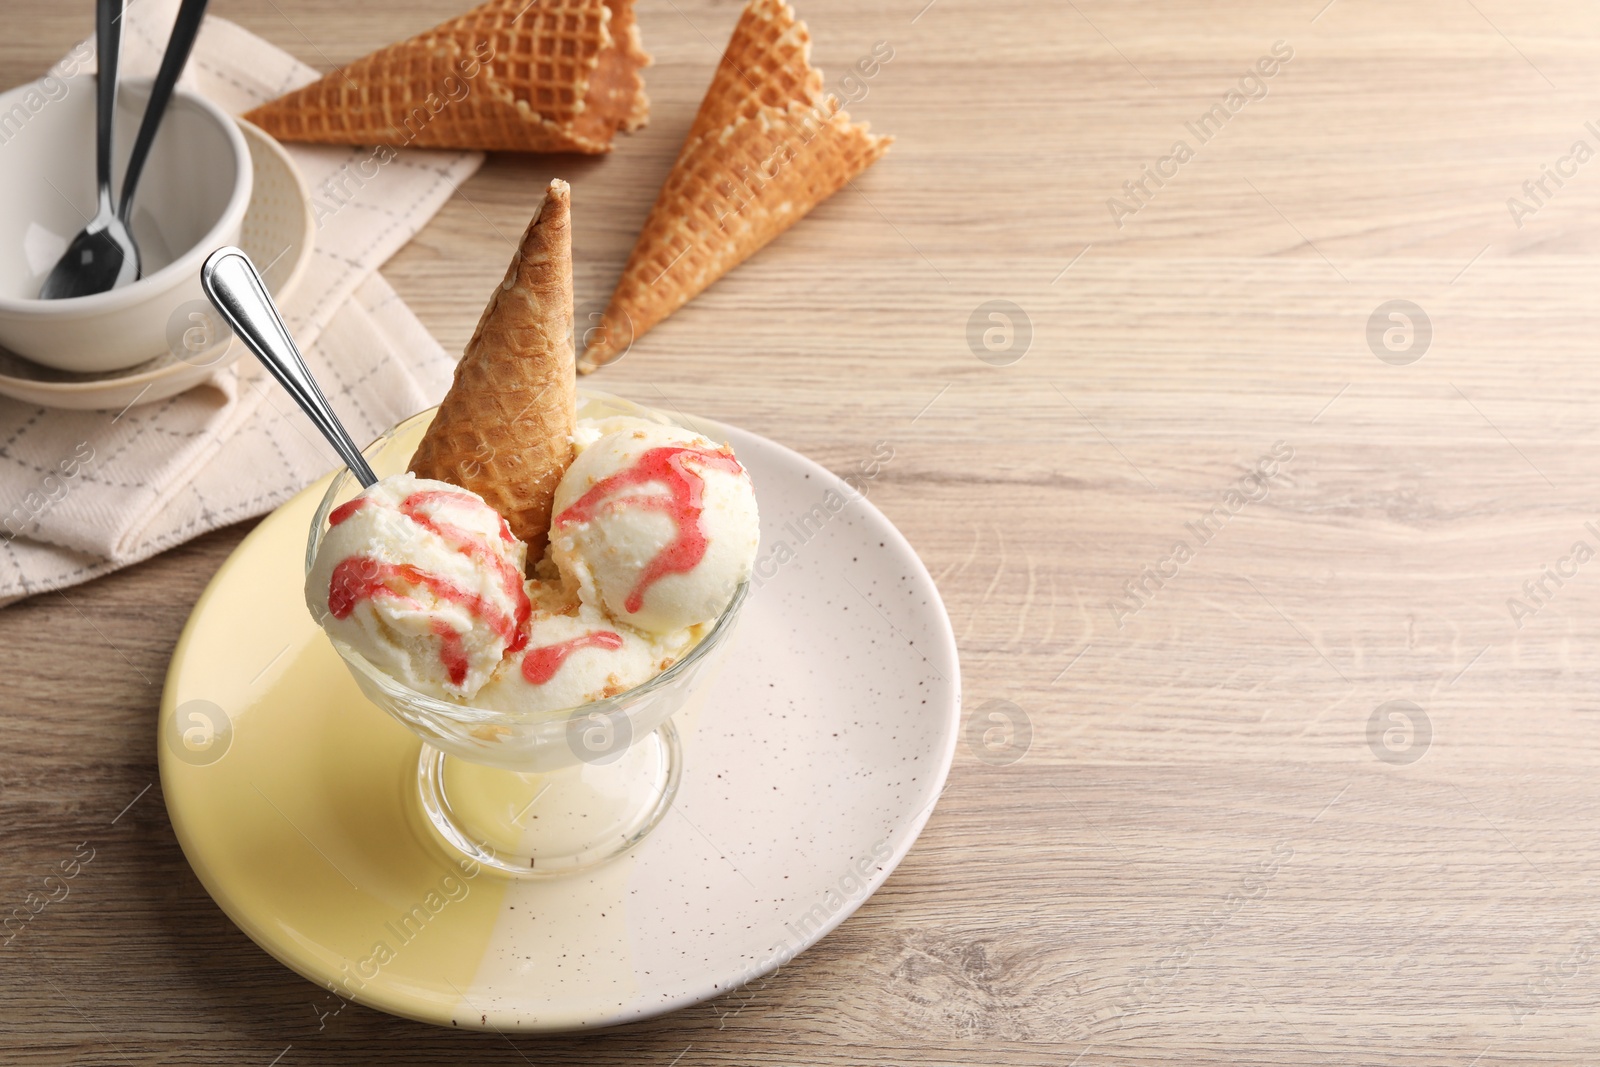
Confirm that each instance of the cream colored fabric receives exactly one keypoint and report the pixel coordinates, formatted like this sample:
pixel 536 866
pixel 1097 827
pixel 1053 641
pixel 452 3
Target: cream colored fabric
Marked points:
pixel 84 493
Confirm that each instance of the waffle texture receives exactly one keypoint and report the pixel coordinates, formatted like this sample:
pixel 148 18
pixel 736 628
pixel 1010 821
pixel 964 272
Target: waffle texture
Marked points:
pixel 504 429
pixel 766 147
pixel 509 75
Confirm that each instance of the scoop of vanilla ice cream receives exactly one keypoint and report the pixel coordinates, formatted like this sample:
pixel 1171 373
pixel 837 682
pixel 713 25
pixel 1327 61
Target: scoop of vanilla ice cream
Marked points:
pixel 656 524
pixel 424 580
pixel 572 659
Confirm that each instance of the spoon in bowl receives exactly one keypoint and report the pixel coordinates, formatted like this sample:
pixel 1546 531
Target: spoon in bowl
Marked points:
pixel 103 255
pixel 232 284
pixel 184 30
pixel 105 265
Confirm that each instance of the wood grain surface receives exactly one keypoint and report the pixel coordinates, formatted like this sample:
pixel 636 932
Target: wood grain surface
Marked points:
pixel 1224 841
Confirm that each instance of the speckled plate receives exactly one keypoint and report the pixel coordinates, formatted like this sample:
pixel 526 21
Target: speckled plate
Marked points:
pixel 810 768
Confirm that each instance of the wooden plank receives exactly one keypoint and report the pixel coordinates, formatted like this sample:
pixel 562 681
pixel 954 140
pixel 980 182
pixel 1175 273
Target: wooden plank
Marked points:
pixel 1103 900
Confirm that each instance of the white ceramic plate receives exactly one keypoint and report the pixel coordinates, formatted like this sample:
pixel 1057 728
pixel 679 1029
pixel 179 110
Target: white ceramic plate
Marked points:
pixel 278 229
pixel 809 769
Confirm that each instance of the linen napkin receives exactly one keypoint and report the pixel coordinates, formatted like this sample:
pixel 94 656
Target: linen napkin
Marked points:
pixel 85 493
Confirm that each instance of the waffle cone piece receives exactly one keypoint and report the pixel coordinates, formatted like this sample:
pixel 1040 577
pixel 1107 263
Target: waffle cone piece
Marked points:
pixel 509 75
pixel 504 428
pixel 767 146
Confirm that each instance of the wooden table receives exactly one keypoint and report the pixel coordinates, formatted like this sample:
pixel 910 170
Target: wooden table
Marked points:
pixel 1226 843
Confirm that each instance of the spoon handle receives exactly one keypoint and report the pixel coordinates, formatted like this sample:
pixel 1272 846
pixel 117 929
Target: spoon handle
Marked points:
pixel 184 30
pixel 232 284
pixel 108 46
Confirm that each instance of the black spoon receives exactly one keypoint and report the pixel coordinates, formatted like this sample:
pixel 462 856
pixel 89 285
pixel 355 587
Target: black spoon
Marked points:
pixel 184 30
pixel 103 254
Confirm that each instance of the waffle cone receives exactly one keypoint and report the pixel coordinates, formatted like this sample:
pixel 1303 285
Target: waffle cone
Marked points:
pixel 504 429
pixel 766 147
pixel 509 75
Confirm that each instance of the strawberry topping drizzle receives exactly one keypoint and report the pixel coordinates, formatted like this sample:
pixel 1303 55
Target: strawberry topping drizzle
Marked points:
pixel 361 578
pixel 683 503
pixel 541 664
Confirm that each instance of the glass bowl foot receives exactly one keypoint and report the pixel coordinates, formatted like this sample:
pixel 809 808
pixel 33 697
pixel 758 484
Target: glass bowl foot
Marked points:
pixel 556 822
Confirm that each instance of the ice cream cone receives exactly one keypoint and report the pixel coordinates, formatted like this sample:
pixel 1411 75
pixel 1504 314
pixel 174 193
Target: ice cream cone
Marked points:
pixel 509 75
pixel 767 146
pixel 504 429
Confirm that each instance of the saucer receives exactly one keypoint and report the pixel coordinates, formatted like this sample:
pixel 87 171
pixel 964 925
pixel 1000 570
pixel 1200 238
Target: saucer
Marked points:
pixel 810 764
pixel 278 229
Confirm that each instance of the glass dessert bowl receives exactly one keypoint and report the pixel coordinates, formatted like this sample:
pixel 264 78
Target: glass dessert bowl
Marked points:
pixel 548 792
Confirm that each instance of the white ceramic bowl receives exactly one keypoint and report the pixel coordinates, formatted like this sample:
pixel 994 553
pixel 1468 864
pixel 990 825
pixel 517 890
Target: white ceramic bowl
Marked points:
pixel 278 233
pixel 191 199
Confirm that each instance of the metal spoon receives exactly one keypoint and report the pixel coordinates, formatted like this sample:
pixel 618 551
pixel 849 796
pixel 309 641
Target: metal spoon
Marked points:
pixel 231 283
pixel 103 255
pixel 184 30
